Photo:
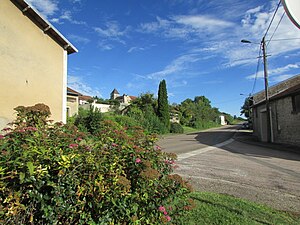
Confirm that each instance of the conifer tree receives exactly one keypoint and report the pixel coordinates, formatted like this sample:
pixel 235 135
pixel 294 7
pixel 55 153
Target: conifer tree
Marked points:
pixel 163 105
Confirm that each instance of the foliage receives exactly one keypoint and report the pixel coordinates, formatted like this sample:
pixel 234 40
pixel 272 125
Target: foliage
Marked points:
pixel 88 120
pixel 245 109
pixel 198 113
pixel 54 174
pixel 143 110
pixel 125 121
pixel 212 208
pixel 33 115
pixel 229 118
pixel 163 106
pixel 176 128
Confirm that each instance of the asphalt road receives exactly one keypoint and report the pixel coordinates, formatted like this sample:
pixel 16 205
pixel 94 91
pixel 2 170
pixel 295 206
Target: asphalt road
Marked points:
pixel 256 173
pixel 185 143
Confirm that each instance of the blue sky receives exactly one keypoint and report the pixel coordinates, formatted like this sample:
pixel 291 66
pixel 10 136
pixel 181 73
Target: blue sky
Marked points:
pixel 131 45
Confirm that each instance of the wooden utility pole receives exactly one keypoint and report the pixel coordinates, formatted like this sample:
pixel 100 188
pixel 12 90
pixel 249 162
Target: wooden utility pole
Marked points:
pixel 263 43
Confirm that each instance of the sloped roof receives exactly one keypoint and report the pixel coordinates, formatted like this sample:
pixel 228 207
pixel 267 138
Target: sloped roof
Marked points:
pixel 282 89
pixel 70 90
pixel 115 92
pixel 132 97
pixel 44 25
pixel 85 97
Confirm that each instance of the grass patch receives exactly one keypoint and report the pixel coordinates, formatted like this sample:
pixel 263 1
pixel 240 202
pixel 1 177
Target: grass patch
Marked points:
pixel 212 208
pixel 187 130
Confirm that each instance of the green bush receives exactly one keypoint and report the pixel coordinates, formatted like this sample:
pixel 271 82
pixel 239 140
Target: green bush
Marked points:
pixel 88 120
pixel 54 174
pixel 124 121
pixel 176 128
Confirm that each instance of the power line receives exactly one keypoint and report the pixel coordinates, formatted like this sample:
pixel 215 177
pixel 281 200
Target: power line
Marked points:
pixel 273 18
pixel 286 39
pixel 276 28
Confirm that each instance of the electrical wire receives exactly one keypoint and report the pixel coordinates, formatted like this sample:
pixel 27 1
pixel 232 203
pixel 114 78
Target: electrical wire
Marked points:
pixel 276 29
pixel 286 39
pixel 272 18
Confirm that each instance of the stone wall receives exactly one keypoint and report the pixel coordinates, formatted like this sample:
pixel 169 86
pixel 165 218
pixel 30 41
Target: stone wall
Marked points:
pixel 286 123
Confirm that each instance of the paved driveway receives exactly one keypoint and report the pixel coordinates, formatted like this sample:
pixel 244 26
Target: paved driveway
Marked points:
pixel 252 172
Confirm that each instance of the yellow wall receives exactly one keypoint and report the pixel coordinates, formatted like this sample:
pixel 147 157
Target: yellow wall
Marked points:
pixel 32 66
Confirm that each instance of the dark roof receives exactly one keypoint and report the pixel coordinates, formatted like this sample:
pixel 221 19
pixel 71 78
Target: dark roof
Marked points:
pixel 70 90
pixel 115 92
pixel 44 25
pixel 85 97
pixel 285 88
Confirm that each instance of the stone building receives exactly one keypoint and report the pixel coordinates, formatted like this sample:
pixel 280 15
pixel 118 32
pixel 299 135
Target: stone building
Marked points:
pixel 284 99
pixel 123 99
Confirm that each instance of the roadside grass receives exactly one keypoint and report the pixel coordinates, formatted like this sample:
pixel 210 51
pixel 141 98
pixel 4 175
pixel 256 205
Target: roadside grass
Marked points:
pixel 187 130
pixel 212 208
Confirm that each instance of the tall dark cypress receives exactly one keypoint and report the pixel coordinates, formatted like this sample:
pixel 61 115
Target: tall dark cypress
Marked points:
pixel 163 105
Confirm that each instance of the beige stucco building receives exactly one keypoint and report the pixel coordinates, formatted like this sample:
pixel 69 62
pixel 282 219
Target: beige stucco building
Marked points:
pixel 33 61
pixel 72 102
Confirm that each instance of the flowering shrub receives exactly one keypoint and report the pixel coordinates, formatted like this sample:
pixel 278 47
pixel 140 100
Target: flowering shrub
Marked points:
pixel 54 174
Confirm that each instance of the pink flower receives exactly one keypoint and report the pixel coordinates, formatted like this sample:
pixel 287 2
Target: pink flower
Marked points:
pixel 138 160
pixel 165 212
pixel 31 128
pixel 1 137
pixel 79 139
pixel 6 129
pixel 114 145
pixel 158 147
pixel 73 145
pixel 161 208
pixel 168 218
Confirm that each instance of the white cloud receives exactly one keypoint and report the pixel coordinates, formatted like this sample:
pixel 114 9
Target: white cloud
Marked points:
pixel 253 26
pixel 45 7
pixel 134 49
pixel 180 64
pixel 105 46
pixel 185 26
pixel 78 39
pixel 67 16
pixel 77 83
pixel 279 72
pixel 202 22
pixel 111 29
pixel 281 78
pixel 111 32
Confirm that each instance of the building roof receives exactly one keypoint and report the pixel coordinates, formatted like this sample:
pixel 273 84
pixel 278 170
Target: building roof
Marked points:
pixel 70 90
pixel 132 97
pixel 85 97
pixel 44 25
pixel 115 92
pixel 81 96
pixel 280 90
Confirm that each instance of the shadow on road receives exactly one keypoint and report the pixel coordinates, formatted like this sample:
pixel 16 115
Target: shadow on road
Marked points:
pixel 251 145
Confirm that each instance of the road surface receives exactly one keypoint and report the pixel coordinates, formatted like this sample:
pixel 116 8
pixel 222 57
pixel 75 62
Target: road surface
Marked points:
pixel 239 169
